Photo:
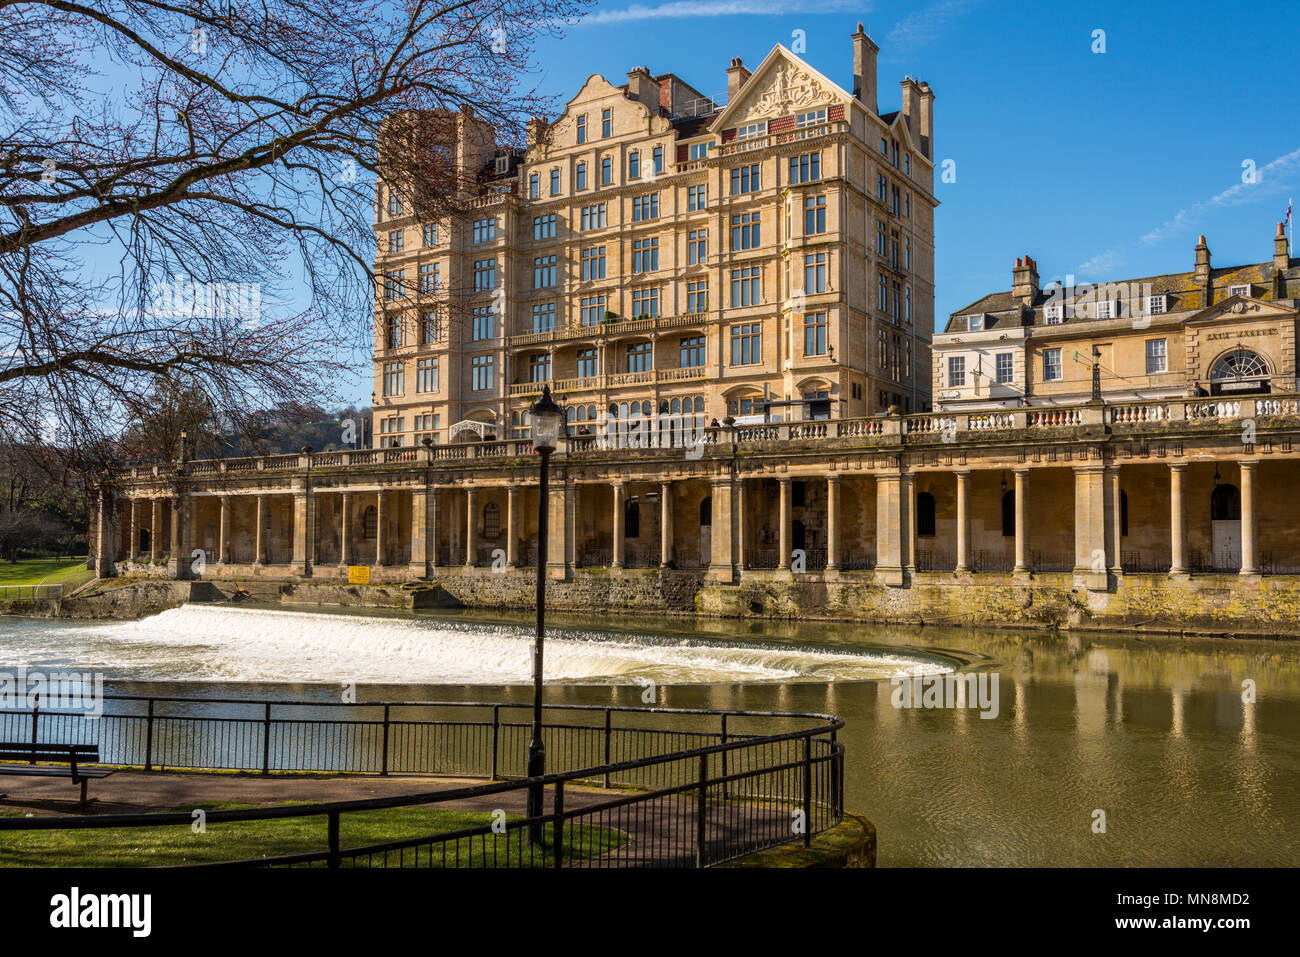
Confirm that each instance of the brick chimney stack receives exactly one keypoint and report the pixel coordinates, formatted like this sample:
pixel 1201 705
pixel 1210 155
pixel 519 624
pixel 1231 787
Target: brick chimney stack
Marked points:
pixel 536 131
pixel 911 106
pixel 864 70
pixel 927 120
pixel 642 87
pixel 1203 264
pixel 1281 251
pixel 1024 281
pixel 736 77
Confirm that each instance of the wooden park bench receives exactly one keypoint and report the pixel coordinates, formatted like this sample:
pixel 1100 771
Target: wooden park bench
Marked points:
pixel 71 759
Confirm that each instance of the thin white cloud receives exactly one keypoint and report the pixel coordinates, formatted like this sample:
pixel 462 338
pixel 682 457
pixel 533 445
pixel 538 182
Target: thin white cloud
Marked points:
pixel 1271 180
pixel 1101 264
pixel 922 27
pixel 694 9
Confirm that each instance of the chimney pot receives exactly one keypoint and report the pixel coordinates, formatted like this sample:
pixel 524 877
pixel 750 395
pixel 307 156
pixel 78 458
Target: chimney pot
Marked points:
pixel 864 70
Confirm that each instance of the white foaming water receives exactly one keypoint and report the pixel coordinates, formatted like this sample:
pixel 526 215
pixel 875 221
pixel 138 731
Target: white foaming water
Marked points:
pixel 214 643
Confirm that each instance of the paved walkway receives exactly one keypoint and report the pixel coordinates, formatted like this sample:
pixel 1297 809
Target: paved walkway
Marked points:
pixel 662 830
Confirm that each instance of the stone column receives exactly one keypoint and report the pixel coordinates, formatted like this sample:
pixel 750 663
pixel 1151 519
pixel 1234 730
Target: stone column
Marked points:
pixel 832 523
pixel 891 518
pixel 620 514
pixel 783 532
pixel 1114 522
pixel 223 540
pixel 133 543
pixel 1249 559
pixel 182 535
pixel 741 536
pixel 665 524
pixel 434 506
pixel 381 528
pixel 345 532
pixel 721 543
pixel 419 563
pixel 302 531
pixel 155 530
pixel 571 505
pixel 104 536
pixel 1177 520
pixel 556 546
pixel 909 525
pixel 512 529
pixel 963 522
pixel 261 548
pixel 1022 552
pixel 471 540
pixel 1090 564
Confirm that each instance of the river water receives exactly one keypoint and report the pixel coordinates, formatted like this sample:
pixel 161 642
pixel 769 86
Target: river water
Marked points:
pixel 1190 748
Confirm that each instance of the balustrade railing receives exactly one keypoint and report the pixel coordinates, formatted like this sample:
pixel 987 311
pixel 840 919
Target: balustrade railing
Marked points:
pixel 606 434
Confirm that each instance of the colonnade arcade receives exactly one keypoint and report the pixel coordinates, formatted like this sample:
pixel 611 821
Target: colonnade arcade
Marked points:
pixel 1094 519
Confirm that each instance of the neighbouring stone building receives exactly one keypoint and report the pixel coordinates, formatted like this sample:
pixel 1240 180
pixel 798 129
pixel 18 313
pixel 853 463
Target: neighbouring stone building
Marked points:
pixel 1209 332
pixel 652 253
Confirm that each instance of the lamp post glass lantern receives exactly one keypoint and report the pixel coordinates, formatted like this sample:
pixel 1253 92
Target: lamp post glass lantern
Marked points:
pixel 546 418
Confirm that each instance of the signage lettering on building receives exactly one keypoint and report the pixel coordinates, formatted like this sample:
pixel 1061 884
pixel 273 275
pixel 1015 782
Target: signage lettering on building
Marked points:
pixel 1240 334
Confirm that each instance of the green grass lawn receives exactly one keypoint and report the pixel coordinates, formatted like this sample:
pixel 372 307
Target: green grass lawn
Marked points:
pixel 178 844
pixel 70 572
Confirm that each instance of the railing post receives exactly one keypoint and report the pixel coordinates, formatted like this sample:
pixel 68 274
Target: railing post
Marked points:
pixel 607 744
pixel 496 734
pixel 148 739
pixel 835 778
pixel 36 714
pixel 557 829
pixel 383 766
pixel 701 811
pixel 334 838
pixel 807 790
pixel 266 740
pixel 723 754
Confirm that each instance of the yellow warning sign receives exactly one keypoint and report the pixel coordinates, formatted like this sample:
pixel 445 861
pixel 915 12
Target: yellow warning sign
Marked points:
pixel 358 574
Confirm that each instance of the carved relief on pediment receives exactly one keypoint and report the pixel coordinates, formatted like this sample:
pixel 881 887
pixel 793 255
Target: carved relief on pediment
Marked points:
pixel 789 88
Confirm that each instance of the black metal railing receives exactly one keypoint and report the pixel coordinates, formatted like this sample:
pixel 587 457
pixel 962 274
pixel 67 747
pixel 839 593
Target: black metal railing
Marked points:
pixel 697 787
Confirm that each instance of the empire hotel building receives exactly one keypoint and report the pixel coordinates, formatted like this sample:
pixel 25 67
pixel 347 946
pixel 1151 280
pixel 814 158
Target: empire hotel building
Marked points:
pixel 653 255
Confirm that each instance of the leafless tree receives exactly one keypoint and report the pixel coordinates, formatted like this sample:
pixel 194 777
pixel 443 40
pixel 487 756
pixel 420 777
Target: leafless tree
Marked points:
pixel 187 189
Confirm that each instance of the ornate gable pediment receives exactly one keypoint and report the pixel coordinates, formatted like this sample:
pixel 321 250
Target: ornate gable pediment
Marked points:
pixel 1238 308
pixel 782 84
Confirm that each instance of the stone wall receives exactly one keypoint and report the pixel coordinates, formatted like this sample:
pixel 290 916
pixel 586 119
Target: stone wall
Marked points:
pixel 1210 604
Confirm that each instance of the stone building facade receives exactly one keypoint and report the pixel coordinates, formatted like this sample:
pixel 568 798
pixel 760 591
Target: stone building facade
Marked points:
pixel 1211 332
pixel 654 254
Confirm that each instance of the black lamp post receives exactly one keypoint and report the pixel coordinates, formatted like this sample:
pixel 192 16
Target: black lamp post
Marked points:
pixel 546 420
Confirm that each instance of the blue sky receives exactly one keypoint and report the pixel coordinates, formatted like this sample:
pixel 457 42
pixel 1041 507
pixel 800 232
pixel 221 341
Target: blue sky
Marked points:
pixel 1106 165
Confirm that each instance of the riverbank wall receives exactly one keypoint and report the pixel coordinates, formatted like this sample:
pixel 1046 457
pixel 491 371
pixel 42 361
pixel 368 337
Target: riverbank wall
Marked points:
pixel 1226 605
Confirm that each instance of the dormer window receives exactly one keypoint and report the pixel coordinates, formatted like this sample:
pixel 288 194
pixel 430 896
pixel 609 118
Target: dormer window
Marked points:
pixel 1104 310
pixel 1239 290
pixel 1054 314
pixel 1155 305
pixel 974 323
pixel 503 165
pixel 811 118
pixel 752 131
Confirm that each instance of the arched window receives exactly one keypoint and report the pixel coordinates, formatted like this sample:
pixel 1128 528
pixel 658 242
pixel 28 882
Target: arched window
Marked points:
pixel 1009 513
pixel 491 520
pixel 1225 504
pixel 632 520
pixel 925 514
pixel 370 522
pixel 706 511
pixel 699 403
pixel 1239 364
pixel 1123 512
